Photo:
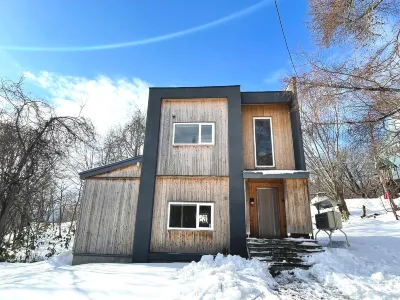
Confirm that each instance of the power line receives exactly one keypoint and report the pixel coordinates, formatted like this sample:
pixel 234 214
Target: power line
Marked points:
pixel 284 36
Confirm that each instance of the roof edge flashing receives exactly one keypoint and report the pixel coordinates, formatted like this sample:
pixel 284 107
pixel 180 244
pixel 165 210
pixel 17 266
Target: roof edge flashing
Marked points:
pixel 276 174
pixel 110 167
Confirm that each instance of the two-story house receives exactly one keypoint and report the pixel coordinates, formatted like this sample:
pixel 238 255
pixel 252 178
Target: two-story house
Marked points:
pixel 218 165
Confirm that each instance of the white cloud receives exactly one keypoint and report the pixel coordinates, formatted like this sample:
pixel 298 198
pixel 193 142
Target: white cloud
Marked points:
pixel 105 101
pixel 275 77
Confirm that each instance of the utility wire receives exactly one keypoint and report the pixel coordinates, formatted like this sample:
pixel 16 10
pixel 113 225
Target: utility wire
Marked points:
pixel 284 37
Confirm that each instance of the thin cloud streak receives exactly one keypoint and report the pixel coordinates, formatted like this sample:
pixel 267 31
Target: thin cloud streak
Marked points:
pixel 236 15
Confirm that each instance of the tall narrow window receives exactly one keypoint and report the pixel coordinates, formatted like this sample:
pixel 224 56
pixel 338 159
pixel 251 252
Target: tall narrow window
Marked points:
pixel 263 142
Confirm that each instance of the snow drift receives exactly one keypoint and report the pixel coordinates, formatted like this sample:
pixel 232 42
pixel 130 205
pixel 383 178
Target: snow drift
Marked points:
pixel 230 277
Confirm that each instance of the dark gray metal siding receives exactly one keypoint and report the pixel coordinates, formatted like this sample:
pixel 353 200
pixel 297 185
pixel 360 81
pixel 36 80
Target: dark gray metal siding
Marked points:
pixel 148 173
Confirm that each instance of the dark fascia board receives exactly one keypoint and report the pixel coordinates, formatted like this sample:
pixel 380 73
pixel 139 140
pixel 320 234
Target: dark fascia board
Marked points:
pixel 288 175
pixel 192 92
pixel 102 255
pixel 173 257
pixel 110 167
pixel 274 97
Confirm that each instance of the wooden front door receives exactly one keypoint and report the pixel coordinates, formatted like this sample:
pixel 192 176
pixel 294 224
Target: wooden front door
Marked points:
pixel 253 187
pixel 268 212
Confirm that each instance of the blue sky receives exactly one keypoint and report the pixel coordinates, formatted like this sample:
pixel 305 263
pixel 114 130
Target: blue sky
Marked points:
pixel 247 49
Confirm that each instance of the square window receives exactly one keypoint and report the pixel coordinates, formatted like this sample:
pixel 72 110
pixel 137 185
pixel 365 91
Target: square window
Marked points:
pixel 186 134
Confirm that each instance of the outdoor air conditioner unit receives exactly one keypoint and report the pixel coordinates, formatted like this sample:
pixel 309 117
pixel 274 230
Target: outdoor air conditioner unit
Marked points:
pixel 330 220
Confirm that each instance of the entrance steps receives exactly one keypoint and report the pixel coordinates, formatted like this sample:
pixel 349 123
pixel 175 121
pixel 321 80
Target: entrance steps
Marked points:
pixel 282 254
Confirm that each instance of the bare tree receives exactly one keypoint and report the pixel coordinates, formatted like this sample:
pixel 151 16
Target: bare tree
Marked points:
pixel 356 69
pixel 124 141
pixel 324 147
pixel 33 139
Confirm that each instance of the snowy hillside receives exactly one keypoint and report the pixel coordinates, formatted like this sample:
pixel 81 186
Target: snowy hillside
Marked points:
pixel 369 269
pixel 46 244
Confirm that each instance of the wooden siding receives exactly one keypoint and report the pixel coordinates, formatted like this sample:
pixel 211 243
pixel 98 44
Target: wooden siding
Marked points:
pixel 130 171
pixel 252 185
pixel 298 215
pixel 247 207
pixel 107 218
pixel 282 134
pixel 197 159
pixel 195 189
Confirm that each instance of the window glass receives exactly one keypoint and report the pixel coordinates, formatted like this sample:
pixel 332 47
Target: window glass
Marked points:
pixel 182 216
pixel 189 216
pixel 205 216
pixel 263 142
pixel 206 133
pixel 186 134
pixel 175 216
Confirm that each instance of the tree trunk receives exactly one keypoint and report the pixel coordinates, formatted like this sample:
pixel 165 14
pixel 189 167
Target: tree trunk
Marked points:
pixel 364 212
pixel 343 209
pixel 75 207
pixel 386 190
pixel 382 178
pixel 60 215
pixel 3 218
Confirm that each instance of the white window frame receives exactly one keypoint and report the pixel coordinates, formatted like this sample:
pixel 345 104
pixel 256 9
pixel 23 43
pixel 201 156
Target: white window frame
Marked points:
pixel 199 142
pixel 272 142
pixel 197 204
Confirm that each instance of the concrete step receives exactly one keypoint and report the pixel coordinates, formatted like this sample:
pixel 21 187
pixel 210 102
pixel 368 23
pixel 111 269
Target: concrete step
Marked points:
pixel 277 254
pixel 281 241
pixel 276 269
pixel 282 254
pixel 290 249
pixel 275 260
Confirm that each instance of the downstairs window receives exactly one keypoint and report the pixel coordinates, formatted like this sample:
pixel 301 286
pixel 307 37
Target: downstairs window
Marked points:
pixel 190 215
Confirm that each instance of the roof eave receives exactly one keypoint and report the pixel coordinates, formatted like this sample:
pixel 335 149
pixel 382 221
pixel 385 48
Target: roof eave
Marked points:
pixel 288 175
pixel 110 167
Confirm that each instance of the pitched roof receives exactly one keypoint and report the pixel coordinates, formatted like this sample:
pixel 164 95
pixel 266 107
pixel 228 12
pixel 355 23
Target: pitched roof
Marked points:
pixel 110 167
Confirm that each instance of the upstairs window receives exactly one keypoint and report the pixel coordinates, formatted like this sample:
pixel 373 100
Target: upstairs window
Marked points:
pixel 189 215
pixel 263 142
pixel 193 134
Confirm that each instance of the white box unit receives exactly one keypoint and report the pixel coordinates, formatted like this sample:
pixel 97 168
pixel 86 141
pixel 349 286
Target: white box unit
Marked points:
pixel 330 220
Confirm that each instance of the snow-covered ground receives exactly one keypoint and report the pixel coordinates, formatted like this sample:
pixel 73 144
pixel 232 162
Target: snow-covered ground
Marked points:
pixel 369 269
pixel 47 244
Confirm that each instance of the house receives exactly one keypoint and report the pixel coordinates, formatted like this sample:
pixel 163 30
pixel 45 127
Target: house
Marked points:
pixel 219 165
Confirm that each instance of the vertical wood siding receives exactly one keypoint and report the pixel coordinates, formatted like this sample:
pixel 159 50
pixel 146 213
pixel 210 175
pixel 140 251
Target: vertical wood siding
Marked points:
pixel 130 171
pixel 282 134
pixel 107 218
pixel 195 189
pixel 196 159
pixel 298 215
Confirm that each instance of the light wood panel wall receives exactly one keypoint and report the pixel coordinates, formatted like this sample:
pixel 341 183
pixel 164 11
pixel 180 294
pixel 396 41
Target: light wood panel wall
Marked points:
pixel 252 186
pixel 130 171
pixel 297 203
pixel 196 159
pixel 211 189
pixel 107 217
pixel 282 134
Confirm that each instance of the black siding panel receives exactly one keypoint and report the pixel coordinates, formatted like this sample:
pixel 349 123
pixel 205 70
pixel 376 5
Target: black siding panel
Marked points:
pixel 144 213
